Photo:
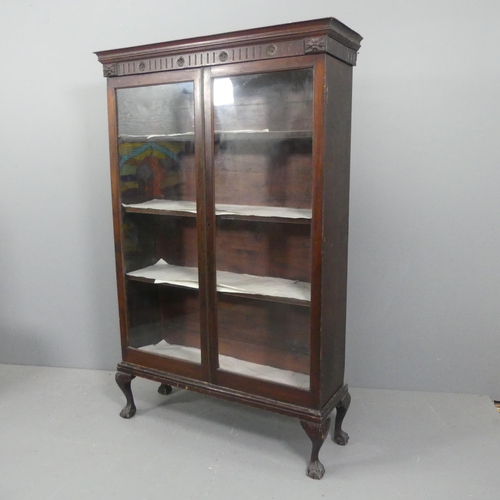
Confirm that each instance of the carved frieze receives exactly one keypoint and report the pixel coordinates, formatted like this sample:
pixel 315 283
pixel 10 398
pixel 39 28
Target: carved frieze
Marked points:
pixel 333 43
pixel 208 58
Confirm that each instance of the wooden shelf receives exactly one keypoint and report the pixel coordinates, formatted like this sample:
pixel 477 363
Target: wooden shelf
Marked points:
pixel 231 364
pixel 244 285
pixel 222 135
pixel 224 211
pixel 181 137
pixel 262 118
pixel 269 135
pixel 163 207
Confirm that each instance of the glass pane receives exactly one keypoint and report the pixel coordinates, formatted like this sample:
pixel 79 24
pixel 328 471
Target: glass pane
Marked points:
pixel 158 194
pixel 263 200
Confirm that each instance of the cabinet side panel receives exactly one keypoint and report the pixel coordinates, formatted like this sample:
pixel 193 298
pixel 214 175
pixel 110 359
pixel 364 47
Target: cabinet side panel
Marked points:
pixel 335 225
pixel 117 226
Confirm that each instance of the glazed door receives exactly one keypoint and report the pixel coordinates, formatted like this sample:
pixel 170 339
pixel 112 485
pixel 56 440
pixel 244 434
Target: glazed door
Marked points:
pixel 157 206
pixel 261 156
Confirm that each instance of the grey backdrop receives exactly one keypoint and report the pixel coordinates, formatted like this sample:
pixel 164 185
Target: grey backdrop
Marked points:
pixel 424 234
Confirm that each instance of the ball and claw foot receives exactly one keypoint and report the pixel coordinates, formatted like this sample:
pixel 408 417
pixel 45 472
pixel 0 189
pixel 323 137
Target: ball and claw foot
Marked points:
pixel 317 433
pixel 128 411
pixel 164 389
pixel 124 383
pixel 339 436
pixel 315 470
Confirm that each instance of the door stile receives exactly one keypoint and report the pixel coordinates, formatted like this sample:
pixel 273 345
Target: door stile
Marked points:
pixel 210 226
pixel 317 225
pixel 201 225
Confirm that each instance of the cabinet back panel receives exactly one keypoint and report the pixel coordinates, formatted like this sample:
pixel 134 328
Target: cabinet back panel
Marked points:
pixel 267 333
pixel 144 320
pixel 251 330
pixel 156 109
pixel 158 313
pixel 264 249
pixel 254 114
pixel 153 174
pixel 279 100
pixel 148 238
pixel 180 314
pixel 256 173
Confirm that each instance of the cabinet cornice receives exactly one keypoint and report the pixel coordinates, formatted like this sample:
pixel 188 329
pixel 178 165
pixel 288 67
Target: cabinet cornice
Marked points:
pixel 324 35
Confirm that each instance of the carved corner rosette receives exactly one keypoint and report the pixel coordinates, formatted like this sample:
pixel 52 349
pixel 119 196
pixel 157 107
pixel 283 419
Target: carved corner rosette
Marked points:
pixel 316 44
pixel 110 70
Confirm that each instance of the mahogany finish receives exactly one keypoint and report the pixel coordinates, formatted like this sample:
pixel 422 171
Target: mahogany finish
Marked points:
pixel 317 434
pixel 165 389
pixel 339 436
pixel 124 383
pixel 257 118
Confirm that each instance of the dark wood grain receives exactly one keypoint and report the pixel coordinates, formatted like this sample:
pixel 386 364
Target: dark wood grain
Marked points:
pixel 179 185
pixel 164 364
pixel 252 351
pixel 264 249
pixel 335 225
pixel 263 388
pixel 148 238
pixel 164 389
pixel 266 333
pixel 317 227
pixel 295 82
pixel 144 316
pixel 272 43
pixel 124 383
pixel 297 405
pixel 210 225
pixel 117 227
pixel 341 437
pixel 317 434
pixel 264 174
pixel 180 315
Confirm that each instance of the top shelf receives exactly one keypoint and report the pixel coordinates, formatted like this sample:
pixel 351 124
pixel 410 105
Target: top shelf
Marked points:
pixel 222 135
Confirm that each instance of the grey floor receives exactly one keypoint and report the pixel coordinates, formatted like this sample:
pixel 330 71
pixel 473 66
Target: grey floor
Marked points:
pixel 61 438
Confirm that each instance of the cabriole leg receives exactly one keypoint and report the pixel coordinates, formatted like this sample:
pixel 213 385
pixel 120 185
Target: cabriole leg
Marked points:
pixel 317 434
pixel 339 436
pixel 124 381
pixel 164 389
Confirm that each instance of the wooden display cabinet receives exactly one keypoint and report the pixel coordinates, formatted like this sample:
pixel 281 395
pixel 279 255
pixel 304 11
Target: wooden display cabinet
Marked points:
pixel 230 175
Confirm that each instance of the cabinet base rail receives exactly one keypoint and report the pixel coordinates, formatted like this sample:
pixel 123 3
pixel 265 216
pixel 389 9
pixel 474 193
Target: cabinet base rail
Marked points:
pixel 316 423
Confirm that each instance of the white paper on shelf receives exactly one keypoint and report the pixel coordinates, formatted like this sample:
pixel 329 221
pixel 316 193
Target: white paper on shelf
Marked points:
pixel 233 365
pixel 243 131
pixel 228 133
pixel 225 209
pixel 157 137
pixel 162 272
pixel 262 285
pixel 259 211
pixel 170 205
pixel 163 348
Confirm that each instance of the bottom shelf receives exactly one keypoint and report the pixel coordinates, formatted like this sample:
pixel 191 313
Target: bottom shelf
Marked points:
pixel 232 365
